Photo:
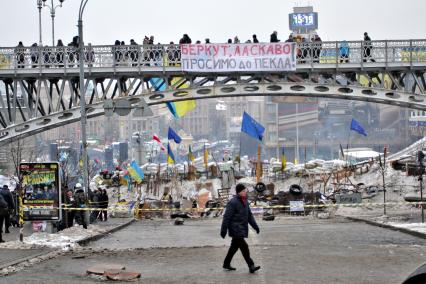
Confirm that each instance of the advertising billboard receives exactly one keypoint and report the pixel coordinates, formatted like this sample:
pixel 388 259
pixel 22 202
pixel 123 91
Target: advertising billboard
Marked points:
pixel 41 191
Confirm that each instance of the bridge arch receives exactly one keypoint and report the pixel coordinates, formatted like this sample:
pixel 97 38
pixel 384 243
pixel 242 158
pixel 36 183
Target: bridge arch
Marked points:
pixel 273 88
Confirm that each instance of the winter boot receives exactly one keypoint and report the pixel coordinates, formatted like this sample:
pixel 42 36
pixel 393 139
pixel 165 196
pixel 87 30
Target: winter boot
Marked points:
pixel 253 268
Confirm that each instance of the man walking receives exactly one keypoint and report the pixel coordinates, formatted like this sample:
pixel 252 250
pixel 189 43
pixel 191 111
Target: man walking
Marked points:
pixel 11 206
pixel 235 221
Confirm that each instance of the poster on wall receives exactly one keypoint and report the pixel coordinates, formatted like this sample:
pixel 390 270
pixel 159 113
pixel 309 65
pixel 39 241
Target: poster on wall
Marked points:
pixel 41 191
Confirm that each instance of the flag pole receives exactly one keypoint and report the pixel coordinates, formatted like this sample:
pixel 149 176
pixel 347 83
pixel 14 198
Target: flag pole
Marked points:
pixel 239 156
pixel 258 167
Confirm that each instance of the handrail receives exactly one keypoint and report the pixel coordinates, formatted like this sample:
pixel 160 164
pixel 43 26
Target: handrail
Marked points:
pixel 309 54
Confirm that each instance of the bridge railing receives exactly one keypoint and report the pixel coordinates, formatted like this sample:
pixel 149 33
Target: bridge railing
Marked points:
pixel 143 56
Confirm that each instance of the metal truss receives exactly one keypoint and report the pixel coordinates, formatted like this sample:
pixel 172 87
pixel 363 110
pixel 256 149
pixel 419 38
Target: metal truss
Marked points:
pixel 31 106
pixel 39 87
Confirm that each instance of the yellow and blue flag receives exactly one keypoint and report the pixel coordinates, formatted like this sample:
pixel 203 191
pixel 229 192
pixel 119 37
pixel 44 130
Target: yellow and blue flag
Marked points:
pixel 180 108
pixel 170 156
pixel 135 172
pixel 191 156
pixel 206 157
pixel 283 160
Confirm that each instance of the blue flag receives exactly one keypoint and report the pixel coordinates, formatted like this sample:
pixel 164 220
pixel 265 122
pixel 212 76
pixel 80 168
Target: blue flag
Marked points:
pixel 251 127
pixel 172 135
pixel 355 126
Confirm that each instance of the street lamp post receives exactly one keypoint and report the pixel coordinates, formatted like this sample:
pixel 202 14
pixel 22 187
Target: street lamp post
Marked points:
pixel 83 95
pixel 52 9
pixel 39 6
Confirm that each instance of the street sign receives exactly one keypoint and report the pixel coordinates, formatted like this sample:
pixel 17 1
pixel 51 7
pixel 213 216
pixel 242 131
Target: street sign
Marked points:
pixel 109 107
pixel 297 206
pixel 122 107
pixel 142 110
pixel 344 198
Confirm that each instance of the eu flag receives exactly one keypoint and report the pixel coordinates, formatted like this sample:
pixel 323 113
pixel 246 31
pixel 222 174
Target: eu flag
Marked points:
pixel 172 135
pixel 251 127
pixel 355 126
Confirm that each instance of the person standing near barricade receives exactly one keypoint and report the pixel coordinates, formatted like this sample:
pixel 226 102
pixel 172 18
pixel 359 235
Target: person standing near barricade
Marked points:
pixel 10 204
pixel 69 203
pixel 95 204
pixel 104 204
pixel 3 212
pixel 235 221
pixel 80 205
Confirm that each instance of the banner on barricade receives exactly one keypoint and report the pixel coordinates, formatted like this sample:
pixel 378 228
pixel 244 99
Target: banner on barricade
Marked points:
pixel 238 57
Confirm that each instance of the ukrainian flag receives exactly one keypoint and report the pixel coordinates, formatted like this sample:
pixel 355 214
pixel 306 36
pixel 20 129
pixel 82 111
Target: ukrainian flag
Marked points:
pixel 135 172
pixel 180 108
pixel 170 156
pixel 206 157
pixel 191 156
pixel 283 160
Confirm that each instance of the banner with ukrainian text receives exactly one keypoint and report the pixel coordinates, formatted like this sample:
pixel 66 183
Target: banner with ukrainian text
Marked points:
pixel 238 57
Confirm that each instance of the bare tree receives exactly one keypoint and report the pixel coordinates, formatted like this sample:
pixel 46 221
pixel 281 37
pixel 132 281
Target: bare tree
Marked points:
pixel 19 150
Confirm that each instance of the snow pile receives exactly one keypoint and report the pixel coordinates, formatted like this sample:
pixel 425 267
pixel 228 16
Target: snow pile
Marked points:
pixel 63 240
pixel 417 227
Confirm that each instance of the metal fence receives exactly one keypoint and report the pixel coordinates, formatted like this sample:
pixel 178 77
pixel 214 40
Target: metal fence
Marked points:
pixel 142 56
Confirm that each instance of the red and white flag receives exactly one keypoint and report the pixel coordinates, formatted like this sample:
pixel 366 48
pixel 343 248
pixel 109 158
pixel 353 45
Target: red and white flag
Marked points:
pixel 155 137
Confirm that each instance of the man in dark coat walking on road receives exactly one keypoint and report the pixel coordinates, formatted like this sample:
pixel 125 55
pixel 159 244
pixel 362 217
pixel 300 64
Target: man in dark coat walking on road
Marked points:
pixel 235 221
pixel 11 206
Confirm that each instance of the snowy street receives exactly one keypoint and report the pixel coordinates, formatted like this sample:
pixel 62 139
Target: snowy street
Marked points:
pixel 289 249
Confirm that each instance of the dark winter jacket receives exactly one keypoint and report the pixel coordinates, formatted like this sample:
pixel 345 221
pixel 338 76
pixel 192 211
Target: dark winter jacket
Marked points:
pixel 236 219
pixel 3 203
pixel 8 198
pixel 79 199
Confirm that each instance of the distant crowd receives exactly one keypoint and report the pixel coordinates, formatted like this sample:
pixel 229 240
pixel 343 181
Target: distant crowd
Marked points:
pixel 307 48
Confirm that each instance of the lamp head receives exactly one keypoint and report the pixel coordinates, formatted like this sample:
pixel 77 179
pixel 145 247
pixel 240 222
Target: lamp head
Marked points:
pixel 61 1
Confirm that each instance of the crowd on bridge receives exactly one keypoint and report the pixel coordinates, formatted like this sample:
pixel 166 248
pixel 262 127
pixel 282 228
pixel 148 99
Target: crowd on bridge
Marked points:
pixel 61 55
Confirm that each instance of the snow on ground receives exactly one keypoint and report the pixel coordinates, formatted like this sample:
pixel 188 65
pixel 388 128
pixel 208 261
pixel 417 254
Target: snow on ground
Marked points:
pixel 64 240
pixel 417 227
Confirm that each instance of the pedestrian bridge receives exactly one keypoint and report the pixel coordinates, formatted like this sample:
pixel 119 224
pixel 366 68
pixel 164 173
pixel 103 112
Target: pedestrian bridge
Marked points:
pixel 39 86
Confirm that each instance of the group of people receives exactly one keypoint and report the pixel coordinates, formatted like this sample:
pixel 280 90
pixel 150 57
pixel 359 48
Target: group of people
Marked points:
pixel 7 206
pixel 48 56
pixel 99 199
pixel 308 48
pixel 78 201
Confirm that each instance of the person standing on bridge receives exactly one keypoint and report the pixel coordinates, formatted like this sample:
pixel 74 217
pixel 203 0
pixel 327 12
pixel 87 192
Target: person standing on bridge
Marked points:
pixel 255 40
pixel 367 48
pixel 20 55
pixel 235 221
pixel 274 37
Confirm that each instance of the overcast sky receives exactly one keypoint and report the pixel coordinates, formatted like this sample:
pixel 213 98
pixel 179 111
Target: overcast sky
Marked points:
pixel 108 20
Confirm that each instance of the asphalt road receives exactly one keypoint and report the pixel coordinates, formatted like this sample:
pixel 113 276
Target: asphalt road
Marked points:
pixel 290 250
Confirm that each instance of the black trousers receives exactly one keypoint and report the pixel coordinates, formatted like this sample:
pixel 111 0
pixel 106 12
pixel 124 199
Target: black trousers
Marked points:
pixel 7 221
pixel 1 225
pixel 238 243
